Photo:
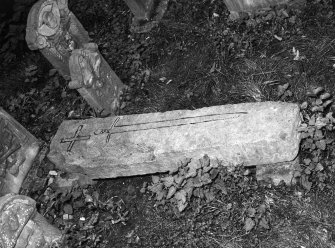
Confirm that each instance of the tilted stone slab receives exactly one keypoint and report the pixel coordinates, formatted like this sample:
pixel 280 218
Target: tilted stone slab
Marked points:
pixel 96 82
pixel 18 149
pixel 54 30
pixel 250 133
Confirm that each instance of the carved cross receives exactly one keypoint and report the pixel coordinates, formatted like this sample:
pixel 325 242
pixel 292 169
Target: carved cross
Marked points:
pixel 75 138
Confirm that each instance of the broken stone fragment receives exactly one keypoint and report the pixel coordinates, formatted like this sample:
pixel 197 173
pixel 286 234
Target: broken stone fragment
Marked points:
pixel 54 30
pixel 95 80
pixel 18 149
pixel 141 8
pixel 249 134
pixel 277 173
pixel 71 181
pixel 237 6
pixel 147 14
pixel 21 226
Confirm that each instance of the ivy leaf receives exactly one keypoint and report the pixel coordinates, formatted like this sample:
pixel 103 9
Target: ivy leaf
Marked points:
pixel 318 135
pixel 264 223
pixel 251 212
pixel 249 224
pixel 321 144
pixel 319 167
pixel 304 105
pixel 312 121
pixel 307 161
pixel 305 183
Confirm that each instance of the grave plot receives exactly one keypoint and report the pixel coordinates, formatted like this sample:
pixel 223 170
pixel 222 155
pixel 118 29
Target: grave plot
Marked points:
pixel 248 134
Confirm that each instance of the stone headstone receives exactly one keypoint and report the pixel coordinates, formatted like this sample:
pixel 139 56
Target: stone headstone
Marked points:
pixel 18 149
pixel 21 226
pixel 249 134
pixel 95 80
pixel 54 30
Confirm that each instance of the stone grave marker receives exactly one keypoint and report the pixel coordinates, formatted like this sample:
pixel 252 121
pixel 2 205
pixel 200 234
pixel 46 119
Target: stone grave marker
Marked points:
pixel 54 30
pixel 249 134
pixel 21 226
pixel 95 80
pixel 18 149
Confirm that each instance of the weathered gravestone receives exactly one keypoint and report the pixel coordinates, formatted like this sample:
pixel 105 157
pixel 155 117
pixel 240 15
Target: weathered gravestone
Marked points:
pixel 21 226
pixel 54 30
pixel 18 149
pixel 249 134
pixel 95 80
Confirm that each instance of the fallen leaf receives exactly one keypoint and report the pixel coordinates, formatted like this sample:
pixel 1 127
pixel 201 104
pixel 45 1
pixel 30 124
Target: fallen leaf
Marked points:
pixel 304 105
pixel 264 223
pixel 249 224
pixel 171 192
pixel 325 96
pixel 155 179
pixel 251 212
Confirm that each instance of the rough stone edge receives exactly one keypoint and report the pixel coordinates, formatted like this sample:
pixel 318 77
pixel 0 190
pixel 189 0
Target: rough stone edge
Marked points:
pixel 278 172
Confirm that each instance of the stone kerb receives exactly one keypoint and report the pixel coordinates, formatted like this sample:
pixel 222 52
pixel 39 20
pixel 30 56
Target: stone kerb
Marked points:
pixel 249 134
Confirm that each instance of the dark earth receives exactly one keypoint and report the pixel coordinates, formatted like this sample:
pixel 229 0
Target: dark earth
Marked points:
pixel 196 57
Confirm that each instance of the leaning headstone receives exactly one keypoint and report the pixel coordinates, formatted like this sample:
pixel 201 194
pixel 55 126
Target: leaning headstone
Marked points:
pixel 18 149
pixel 248 134
pixel 21 226
pixel 95 80
pixel 54 30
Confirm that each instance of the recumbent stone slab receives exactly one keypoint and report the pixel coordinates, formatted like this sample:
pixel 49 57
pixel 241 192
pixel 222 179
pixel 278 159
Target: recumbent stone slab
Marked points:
pixel 249 134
